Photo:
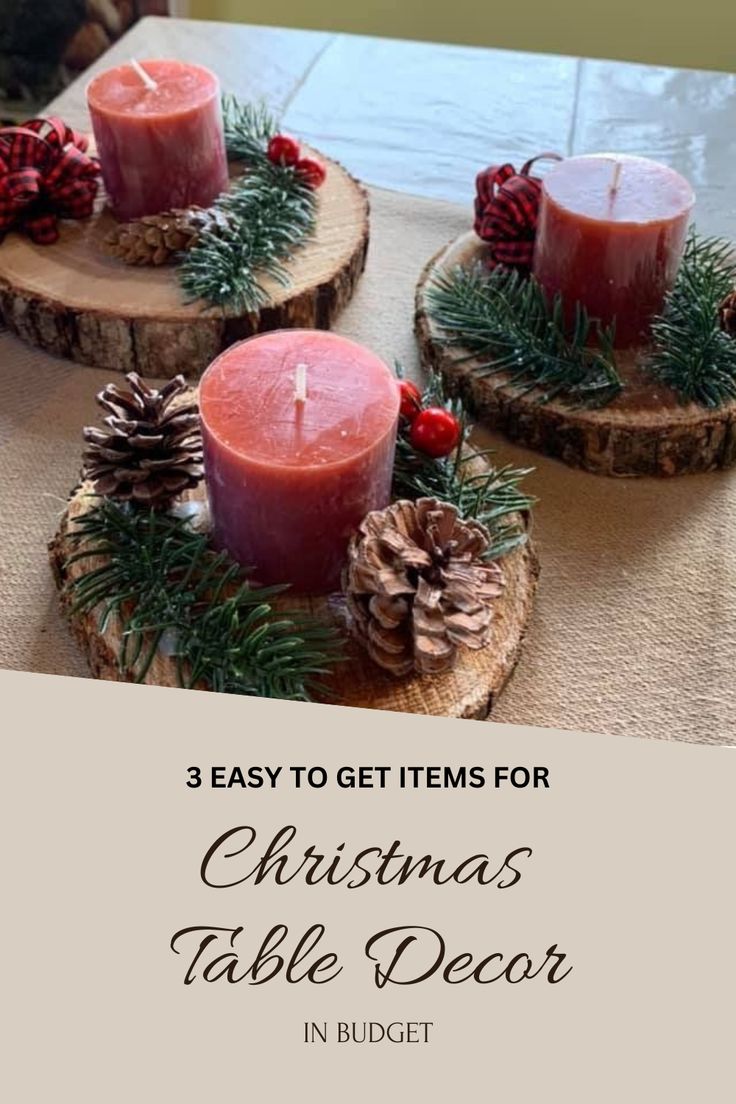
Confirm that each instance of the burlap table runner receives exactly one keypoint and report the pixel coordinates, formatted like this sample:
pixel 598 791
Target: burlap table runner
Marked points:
pixel 635 622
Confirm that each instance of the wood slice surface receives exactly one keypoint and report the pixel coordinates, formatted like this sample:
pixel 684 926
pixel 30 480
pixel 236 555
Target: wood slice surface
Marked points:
pixel 73 301
pixel 644 431
pixel 468 691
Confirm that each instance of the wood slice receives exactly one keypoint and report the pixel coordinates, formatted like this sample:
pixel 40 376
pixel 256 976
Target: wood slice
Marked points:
pixel 468 691
pixel 644 431
pixel 73 301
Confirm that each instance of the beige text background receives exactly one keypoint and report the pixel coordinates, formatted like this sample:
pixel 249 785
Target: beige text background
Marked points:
pixel 632 876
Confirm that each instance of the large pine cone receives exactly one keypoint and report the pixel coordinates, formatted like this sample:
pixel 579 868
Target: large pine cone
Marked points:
pixel 728 314
pixel 151 448
pixel 417 587
pixel 159 239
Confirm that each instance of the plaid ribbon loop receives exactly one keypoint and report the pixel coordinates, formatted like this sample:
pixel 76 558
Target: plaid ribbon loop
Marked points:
pixel 507 211
pixel 45 174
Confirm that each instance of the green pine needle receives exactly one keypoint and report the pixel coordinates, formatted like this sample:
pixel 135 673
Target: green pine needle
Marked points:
pixel 505 320
pixel 270 214
pixel 248 128
pixel 171 590
pixel 493 497
pixel 692 354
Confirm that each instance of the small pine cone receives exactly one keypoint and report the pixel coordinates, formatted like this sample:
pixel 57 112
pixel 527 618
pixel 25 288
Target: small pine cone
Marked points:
pixel 727 314
pixel 158 239
pixel 150 450
pixel 416 586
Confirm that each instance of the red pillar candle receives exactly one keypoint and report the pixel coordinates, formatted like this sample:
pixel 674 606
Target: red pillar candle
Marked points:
pixel 159 136
pixel 611 234
pixel 299 431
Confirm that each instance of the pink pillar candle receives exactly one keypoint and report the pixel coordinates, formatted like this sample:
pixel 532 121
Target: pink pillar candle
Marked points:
pixel 299 432
pixel 160 144
pixel 611 234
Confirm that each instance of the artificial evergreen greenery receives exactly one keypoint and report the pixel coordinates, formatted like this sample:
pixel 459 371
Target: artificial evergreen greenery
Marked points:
pixel 170 589
pixel 492 496
pixel 504 319
pixel 270 213
pixel 248 128
pixel 692 353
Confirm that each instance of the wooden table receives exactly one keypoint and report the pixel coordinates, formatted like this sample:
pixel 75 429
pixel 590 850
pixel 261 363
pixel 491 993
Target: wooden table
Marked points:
pixel 423 118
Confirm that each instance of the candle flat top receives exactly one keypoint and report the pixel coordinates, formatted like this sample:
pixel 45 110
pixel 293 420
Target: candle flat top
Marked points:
pixel 645 191
pixel 248 399
pixel 179 87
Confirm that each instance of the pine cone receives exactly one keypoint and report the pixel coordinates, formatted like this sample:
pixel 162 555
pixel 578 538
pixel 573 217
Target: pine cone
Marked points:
pixel 151 450
pixel 416 586
pixel 727 314
pixel 157 239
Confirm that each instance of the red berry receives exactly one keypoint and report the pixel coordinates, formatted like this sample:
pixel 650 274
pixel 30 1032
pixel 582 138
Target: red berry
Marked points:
pixel 283 150
pixel 311 172
pixel 435 432
pixel 411 400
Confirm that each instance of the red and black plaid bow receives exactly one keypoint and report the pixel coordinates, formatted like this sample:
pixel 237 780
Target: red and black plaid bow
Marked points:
pixel 45 174
pixel 506 212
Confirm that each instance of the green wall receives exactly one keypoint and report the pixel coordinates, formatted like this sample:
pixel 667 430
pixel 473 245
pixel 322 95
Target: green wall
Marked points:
pixel 699 33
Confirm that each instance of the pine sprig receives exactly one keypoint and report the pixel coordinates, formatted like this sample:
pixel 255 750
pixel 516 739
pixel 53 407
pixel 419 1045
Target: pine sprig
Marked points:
pixel 493 496
pixel 692 354
pixel 172 591
pixel 506 321
pixel 270 213
pixel 248 128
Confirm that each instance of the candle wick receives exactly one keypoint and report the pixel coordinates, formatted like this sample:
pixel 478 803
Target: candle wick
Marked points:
pixel 616 177
pixel 144 76
pixel 300 383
